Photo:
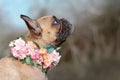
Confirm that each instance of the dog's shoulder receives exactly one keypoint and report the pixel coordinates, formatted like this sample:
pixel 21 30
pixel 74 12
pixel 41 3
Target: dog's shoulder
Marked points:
pixel 13 69
pixel 6 60
pixel 8 69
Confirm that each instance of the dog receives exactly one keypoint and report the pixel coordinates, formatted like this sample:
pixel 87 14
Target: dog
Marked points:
pixel 48 30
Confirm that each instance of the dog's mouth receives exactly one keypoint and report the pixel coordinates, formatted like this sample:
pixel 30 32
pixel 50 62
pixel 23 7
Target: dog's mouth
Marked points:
pixel 64 31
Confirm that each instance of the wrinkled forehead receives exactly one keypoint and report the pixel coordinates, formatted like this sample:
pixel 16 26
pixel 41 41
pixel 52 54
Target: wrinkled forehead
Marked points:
pixel 45 18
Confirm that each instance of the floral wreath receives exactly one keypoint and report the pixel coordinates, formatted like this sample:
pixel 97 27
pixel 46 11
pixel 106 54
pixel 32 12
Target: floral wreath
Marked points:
pixel 29 52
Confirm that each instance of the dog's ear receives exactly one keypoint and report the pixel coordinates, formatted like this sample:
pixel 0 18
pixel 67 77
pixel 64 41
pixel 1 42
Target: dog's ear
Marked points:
pixel 32 26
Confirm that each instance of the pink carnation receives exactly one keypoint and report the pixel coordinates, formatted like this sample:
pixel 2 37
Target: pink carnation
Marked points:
pixel 19 49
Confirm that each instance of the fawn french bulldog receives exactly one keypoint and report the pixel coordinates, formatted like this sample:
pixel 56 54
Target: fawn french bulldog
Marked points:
pixel 48 30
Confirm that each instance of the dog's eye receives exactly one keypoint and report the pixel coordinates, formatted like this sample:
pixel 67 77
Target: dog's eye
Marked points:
pixel 55 21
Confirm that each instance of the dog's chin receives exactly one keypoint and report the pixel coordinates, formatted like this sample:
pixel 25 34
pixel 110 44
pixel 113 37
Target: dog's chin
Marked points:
pixel 64 31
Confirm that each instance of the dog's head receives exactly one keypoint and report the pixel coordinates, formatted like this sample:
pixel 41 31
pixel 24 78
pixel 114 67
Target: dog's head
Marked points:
pixel 48 30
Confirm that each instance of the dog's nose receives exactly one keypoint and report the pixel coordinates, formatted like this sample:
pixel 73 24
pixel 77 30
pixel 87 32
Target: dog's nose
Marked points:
pixel 54 17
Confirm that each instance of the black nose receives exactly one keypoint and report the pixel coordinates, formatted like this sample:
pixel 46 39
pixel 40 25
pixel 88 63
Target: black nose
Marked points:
pixel 55 20
pixel 54 17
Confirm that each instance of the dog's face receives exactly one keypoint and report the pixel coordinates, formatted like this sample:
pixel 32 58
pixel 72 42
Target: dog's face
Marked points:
pixel 48 30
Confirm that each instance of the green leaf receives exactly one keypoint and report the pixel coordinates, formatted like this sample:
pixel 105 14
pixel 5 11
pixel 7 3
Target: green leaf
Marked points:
pixel 34 63
pixel 28 60
pixel 58 49
pixel 38 47
pixel 23 38
pixel 45 70
pixel 49 48
pixel 23 60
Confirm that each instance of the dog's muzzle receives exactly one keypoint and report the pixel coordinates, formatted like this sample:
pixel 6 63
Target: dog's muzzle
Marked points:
pixel 64 31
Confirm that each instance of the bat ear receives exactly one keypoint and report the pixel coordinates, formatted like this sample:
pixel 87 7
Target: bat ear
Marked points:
pixel 32 26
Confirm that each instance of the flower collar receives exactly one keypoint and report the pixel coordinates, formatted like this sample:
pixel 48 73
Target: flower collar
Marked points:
pixel 29 52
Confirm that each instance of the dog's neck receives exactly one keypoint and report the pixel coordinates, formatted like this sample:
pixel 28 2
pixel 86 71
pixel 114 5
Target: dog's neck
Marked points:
pixel 41 42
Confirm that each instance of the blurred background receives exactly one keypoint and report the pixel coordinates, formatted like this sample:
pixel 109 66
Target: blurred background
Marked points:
pixel 92 52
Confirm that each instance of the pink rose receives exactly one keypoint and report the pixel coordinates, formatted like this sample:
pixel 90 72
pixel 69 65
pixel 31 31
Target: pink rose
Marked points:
pixel 46 60
pixel 56 57
pixel 35 54
pixel 19 53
